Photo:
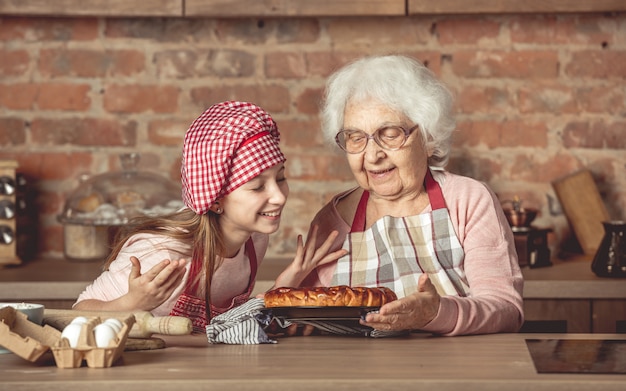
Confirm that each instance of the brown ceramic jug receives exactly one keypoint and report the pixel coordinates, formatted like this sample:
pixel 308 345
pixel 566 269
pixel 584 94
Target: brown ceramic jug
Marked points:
pixel 610 259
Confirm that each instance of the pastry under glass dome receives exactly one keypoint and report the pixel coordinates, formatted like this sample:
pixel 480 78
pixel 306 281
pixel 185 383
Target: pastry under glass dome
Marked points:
pixel 109 200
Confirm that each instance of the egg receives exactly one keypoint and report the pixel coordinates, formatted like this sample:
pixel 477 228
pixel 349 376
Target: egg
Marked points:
pixel 103 333
pixel 79 320
pixel 71 332
pixel 115 323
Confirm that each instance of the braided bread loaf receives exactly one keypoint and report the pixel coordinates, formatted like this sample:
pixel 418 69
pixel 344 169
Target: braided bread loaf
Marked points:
pixel 335 296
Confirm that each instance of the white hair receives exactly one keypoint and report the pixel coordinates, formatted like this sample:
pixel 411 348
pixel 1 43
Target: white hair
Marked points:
pixel 404 85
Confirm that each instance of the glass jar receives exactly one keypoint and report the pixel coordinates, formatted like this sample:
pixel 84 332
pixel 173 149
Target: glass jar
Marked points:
pixel 104 202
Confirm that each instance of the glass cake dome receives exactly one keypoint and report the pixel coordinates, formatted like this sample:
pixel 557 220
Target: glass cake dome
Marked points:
pixel 101 204
pixel 113 198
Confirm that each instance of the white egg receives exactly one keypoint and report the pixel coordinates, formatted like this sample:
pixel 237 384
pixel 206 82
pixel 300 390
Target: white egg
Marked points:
pixel 79 320
pixel 103 334
pixel 71 332
pixel 115 323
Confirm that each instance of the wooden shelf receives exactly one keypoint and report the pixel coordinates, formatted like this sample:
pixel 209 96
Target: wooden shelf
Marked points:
pixel 295 8
pixel 238 8
pixel 512 6
pixel 113 8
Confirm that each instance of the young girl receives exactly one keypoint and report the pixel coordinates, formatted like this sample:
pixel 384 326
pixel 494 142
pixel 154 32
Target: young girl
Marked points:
pixel 234 189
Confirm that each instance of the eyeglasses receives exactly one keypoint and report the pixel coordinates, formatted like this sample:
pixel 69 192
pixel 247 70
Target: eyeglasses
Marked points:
pixel 390 138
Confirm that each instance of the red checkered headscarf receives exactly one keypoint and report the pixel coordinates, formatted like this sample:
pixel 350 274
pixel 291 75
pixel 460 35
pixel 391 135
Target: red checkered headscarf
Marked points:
pixel 228 145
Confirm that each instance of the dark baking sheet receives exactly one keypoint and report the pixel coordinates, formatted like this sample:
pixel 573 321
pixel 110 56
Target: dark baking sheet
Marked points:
pixel 320 313
pixel 578 355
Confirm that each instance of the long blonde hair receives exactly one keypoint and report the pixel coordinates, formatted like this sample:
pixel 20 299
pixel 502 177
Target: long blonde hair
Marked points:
pixel 201 231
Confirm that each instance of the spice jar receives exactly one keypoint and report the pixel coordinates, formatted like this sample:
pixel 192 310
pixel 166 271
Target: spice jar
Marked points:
pixel 102 203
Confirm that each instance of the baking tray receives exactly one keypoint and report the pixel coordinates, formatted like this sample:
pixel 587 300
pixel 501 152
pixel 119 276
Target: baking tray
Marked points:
pixel 319 313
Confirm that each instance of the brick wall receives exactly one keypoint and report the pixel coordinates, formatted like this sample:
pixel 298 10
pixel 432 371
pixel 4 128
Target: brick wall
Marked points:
pixel 539 96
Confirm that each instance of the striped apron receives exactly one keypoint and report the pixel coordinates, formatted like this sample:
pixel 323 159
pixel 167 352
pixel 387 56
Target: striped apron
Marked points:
pixel 194 308
pixel 395 251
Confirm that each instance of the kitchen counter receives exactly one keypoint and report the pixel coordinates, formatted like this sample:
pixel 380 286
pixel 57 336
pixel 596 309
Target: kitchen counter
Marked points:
pixel 59 279
pixel 418 361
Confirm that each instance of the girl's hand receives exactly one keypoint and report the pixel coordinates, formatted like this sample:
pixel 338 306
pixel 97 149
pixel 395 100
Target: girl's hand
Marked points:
pixel 308 258
pixel 151 289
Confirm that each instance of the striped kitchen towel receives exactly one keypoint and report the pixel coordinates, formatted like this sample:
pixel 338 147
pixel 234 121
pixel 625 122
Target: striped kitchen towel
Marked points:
pixel 242 325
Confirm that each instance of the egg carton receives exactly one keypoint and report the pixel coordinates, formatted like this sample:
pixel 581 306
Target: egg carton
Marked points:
pixel 30 341
pixel 87 350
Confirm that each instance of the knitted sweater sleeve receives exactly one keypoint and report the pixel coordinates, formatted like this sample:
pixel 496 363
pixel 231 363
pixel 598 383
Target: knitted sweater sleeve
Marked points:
pixel 494 303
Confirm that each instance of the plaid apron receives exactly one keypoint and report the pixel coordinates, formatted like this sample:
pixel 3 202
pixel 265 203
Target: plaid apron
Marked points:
pixel 194 308
pixel 395 251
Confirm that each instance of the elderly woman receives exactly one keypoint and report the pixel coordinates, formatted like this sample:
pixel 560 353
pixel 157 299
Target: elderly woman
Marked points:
pixel 439 240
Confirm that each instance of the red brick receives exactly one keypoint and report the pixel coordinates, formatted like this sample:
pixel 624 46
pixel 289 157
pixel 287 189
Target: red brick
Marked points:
pixel 484 99
pixel 467 30
pixel 506 64
pixel 318 167
pixel 324 63
pixel 377 33
pixel 431 59
pixel 53 166
pixel 300 134
pixel 20 96
pixel 273 98
pixel 506 133
pixel 542 168
pixel 477 167
pixel 547 98
pixel 285 65
pixel 48 29
pixel 83 132
pixel 596 135
pixel 13 132
pixel 309 101
pixel 14 62
pixel 51 238
pixel 174 171
pixel 244 31
pixel 182 64
pixel 90 63
pixel 560 29
pixel 141 98
pixel 52 203
pixel 167 132
pixel 602 99
pixel 297 30
pixel 255 31
pixel 597 64
pixel 64 96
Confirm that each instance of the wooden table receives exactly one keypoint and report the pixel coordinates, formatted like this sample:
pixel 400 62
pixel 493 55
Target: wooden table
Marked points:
pixel 420 361
pixel 566 294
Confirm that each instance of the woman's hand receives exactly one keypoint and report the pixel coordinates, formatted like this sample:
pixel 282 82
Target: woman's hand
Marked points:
pixel 410 312
pixel 151 289
pixel 308 258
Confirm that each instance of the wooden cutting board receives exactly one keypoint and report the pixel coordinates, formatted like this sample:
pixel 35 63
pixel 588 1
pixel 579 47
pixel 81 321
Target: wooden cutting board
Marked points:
pixel 144 344
pixel 583 207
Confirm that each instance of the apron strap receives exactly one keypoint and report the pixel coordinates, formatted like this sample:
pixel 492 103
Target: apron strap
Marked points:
pixel 254 265
pixel 253 268
pixel 435 196
pixel 358 224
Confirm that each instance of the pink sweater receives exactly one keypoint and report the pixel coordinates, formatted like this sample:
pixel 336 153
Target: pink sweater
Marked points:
pixel 229 280
pixel 494 303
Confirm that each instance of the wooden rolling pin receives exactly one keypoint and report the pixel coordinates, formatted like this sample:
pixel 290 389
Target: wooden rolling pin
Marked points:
pixel 145 325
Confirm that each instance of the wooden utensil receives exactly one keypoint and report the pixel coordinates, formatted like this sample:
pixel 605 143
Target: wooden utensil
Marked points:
pixel 145 325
